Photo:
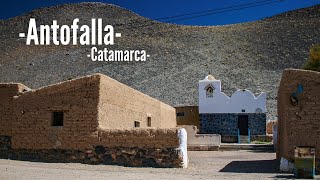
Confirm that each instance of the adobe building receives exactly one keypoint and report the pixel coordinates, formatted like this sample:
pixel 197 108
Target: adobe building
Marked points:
pixel 188 115
pixel 241 115
pixel 270 125
pixel 89 120
pixel 298 113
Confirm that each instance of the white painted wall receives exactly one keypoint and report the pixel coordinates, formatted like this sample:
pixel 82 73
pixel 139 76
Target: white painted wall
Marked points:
pixel 221 103
pixel 183 138
pixel 195 139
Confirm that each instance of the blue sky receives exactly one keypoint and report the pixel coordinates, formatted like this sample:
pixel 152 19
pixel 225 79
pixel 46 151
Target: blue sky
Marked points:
pixel 155 9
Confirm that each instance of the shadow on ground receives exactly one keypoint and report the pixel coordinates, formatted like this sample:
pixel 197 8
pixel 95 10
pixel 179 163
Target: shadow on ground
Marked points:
pixel 285 176
pixel 257 166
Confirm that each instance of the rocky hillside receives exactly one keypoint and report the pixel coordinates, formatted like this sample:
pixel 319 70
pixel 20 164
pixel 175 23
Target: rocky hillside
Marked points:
pixel 249 55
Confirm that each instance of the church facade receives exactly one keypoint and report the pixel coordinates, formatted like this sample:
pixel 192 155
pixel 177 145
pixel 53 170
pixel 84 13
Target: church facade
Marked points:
pixel 241 114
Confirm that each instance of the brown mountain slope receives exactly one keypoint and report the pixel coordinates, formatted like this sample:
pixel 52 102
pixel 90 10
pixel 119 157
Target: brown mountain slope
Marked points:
pixel 249 55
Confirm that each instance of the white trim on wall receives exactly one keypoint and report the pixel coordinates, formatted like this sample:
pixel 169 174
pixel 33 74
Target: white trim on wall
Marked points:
pixel 241 101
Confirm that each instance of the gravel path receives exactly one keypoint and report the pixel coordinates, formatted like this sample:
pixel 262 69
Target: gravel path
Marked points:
pixel 203 165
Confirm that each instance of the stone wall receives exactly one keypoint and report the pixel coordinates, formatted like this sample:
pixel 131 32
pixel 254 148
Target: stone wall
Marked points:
pixel 227 123
pixel 299 114
pixel 128 147
pixel 234 139
pixel 135 157
pixel 188 115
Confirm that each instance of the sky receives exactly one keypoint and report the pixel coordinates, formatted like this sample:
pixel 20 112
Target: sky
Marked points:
pixel 213 12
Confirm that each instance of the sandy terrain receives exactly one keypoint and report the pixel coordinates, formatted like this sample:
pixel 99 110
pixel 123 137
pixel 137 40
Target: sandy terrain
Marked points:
pixel 203 165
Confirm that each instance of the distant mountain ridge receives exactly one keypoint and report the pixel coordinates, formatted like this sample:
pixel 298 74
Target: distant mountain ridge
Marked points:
pixel 247 55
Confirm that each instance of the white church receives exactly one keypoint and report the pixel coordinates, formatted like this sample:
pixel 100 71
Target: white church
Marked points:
pixel 242 113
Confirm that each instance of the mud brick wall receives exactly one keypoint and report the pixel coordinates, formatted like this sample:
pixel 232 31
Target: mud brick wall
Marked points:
pixel 7 92
pixel 92 107
pixel 298 121
pixel 87 103
pixel 190 115
pixel 33 115
pixel 145 138
pixel 168 116
pixel 151 147
pixel 142 147
pixel 120 106
pixel 270 125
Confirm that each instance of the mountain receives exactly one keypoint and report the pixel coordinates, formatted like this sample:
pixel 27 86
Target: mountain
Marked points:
pixel 247 55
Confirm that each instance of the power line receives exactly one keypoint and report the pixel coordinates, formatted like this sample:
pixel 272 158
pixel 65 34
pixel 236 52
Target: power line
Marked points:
pixel 147 23
pixel 207 12
pixel 211 10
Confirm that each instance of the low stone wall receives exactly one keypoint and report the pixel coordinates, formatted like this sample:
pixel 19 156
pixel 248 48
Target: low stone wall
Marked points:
pixel 262 138
pixel 131 147
pixel 229 139
pixel 139 157
pixel 204 142
pixel 234 139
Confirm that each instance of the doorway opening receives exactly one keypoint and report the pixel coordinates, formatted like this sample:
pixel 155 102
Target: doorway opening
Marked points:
pixel 243 124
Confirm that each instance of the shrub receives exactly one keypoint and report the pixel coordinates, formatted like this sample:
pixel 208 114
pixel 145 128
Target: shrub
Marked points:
pixel 313 62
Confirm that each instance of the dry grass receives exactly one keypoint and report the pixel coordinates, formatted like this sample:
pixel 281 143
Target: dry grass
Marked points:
pixel 313 62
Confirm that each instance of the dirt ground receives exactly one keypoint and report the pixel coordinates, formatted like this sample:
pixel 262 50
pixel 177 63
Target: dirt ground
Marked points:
pixel 202 165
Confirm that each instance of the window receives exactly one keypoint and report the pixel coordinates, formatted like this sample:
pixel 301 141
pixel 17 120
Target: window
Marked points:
pixel 209 91
pixel 57 119
pixel 149 122
pixel 136 124
pixel 180 113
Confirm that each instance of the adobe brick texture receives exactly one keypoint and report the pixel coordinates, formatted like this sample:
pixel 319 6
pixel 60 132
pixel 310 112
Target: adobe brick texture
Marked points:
pixel 190 116
pixel 298 121
pixel 120 106
pixel 88 103
pixel 98 111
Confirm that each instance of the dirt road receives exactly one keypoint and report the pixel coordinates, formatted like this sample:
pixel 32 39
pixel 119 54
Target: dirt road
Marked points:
pixel 203 165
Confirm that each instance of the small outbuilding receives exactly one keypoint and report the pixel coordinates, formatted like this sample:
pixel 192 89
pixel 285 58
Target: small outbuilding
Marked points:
pixel 188 115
